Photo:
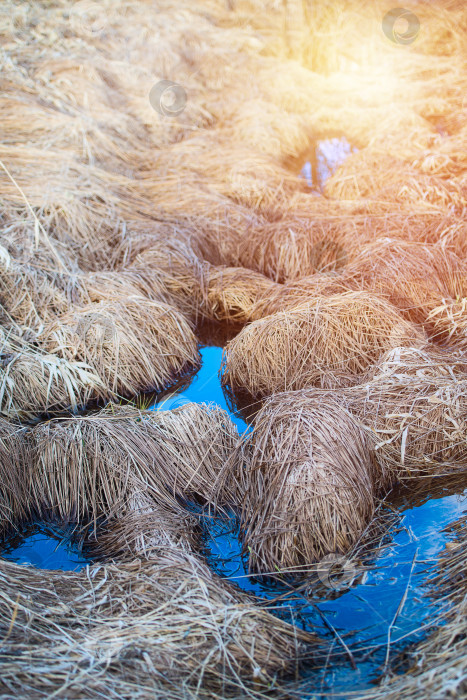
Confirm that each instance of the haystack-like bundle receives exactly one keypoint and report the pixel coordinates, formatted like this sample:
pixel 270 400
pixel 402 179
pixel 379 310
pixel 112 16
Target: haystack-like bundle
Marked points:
pixel 28 295
pixel 14 460
pixel 447 324
pixel 125 283
pixel 111 284
pixel 162 628
pixel 97 466
pixel 171 267
pixel 133 345
pixel 79 207
pixel 288 296
pixel 33 382
pixel 233 293
pixel 413 404
pixel 293 248
pixel 309 482
pixel 415 277
pixel 143 528
pixel 326 342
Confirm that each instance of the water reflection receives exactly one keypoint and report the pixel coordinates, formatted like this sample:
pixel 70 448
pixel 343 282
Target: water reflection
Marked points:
pixel 324 159
pixel 202 387
pixel 362 612
pixel 44 546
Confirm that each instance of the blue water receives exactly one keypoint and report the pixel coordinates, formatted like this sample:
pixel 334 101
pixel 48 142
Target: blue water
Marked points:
pixel 204 387
pixel 330 154
pixel 45 547
pixel 362 603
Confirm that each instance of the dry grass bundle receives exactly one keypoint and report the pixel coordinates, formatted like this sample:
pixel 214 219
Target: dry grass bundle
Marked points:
pixel 415 277
pixel 133 345
pixel 14 461
pixel 327 342
pixel 438 664
pixel 143 529
pixel 309 482
pixel 372 174
pixel 447 324
pixel 292 294
pixel 238 174
pixel 92 467
pixel 74 218
pixel 172 269
pixel 233 293
pixel 111 284
pixel 413 404
pixel 162 628
pixel 267 129
pixel 293 248
pixel 121 284
pixel 33 383
pixel 28 295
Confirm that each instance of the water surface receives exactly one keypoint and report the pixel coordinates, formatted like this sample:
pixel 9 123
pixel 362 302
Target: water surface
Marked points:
pixel 328 155
pixel 44 546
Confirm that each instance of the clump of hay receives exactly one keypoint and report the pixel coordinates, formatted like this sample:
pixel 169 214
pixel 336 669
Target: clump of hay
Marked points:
pixel 33 382
pixel 413 276
pixel 120 284
pixel 143 528
pixel 326 342
pixel 167 627
pixel 133 345
pixel 111 284
pixel 309 482
pixel 91 467
pixel 287 296
pixel 14 459
pixel 233 293
pixel 28 295
pixel 172 268
pixel 293 248
pixel 413 404
pixel 447 324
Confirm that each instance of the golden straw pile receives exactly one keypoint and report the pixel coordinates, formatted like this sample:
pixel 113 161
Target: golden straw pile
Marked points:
pixel 135 212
